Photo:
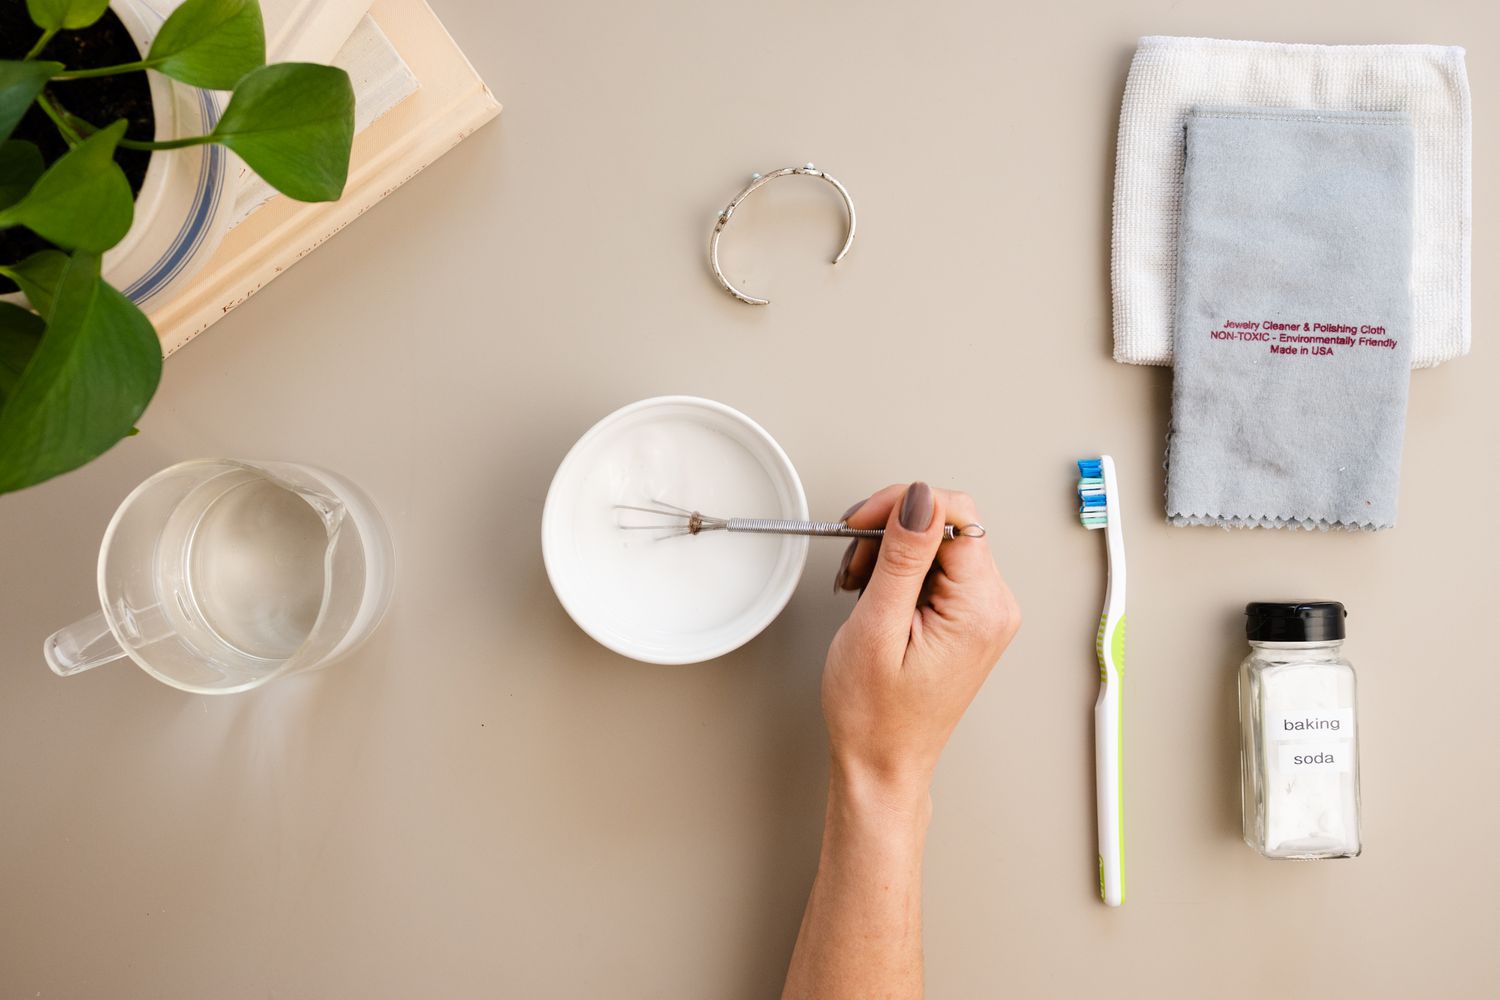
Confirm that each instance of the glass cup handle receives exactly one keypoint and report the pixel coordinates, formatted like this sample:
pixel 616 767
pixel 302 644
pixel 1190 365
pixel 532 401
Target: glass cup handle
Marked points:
pixel 81 646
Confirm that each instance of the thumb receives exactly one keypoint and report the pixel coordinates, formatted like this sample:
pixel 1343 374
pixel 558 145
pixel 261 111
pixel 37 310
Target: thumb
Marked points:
pixel 912 536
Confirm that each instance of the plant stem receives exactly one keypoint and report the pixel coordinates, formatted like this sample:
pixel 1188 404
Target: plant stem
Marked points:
pixel 86 74
pixel 71 124
pixel 44 100
pixel 192 140
pixel 41 43
pixel 83 128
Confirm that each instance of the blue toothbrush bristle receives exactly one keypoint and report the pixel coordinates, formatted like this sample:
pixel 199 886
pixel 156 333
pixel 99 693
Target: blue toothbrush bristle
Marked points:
pixel 1093 507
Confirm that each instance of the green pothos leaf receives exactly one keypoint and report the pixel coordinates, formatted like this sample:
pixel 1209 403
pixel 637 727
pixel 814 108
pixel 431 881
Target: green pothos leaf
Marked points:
pixel 210 43
pixel 20 332
pixel 88 380
pixel 20 166
pixel 20 82
pixel 293 123
pixel 53 15
pixel 83 201
pixel 38 277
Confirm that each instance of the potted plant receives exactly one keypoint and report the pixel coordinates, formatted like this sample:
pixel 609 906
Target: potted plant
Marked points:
pixel 88 129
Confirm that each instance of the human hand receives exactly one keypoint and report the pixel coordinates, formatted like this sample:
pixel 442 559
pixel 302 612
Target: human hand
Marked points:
pixel 932 620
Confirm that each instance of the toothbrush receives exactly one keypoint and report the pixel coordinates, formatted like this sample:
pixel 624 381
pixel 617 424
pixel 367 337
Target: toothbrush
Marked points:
pixel 1099 507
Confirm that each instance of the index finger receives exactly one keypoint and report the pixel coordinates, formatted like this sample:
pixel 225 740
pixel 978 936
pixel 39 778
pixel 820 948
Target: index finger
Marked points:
pixel 875 511
pixel 872 513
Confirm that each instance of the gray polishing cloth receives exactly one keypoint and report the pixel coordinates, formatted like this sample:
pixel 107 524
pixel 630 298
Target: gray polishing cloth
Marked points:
pixel 1293 341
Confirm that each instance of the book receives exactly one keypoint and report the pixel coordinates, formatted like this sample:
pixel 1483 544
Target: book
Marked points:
pixel 381 80
pixel 450 101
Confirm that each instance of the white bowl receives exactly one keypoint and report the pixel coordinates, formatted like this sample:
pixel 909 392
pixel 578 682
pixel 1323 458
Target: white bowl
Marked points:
pixel 681 599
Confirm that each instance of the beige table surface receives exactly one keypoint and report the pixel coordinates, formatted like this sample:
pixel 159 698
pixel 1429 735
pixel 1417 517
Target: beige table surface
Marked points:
pixel 484 803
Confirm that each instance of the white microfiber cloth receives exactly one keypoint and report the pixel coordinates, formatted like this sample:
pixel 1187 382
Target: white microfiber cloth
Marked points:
pixel 1168 76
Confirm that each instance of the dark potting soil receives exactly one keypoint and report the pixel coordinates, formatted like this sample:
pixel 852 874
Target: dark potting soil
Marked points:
pixel 99 101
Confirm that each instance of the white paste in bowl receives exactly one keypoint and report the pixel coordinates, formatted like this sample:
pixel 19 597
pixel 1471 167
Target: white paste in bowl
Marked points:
pixel 684 598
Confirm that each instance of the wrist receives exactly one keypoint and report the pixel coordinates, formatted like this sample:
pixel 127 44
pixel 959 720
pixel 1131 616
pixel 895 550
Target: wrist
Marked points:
pixel 887 798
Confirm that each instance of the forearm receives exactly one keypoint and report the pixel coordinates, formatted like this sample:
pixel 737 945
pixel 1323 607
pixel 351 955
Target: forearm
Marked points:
pixel 861 935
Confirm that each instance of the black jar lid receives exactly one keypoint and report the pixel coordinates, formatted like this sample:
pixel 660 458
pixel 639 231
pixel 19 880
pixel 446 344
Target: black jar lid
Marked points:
pixel 1294 621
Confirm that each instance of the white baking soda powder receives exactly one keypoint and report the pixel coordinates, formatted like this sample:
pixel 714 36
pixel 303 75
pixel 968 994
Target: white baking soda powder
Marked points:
pixel 1310 788
pixel 686 583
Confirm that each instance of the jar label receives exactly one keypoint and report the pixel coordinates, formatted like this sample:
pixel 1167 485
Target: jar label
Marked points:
pixel 1320 739
pixel 1324 724
pixel 1337 757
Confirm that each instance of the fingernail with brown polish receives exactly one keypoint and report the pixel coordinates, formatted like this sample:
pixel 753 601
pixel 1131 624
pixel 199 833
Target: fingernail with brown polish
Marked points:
pixel 838 578
pixel 916 509
pixel 850 512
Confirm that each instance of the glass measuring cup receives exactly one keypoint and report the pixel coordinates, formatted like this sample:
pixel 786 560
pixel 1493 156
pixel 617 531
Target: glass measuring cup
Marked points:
pixel 218 575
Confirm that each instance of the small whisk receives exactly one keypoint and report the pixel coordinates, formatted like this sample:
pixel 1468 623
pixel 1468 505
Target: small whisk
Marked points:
pixel 674 521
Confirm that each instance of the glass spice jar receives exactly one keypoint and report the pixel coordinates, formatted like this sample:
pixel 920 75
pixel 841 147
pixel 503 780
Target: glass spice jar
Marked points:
pixel 1299 753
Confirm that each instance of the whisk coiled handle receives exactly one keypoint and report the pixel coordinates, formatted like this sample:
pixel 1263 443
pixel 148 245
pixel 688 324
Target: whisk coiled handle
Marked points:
pixel 837 529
